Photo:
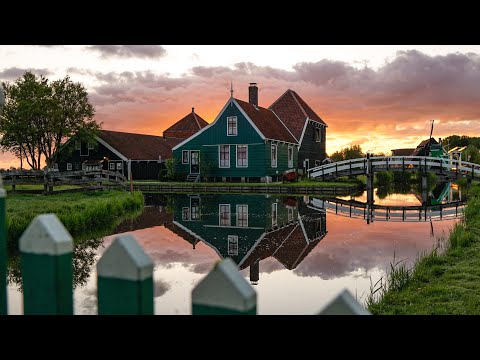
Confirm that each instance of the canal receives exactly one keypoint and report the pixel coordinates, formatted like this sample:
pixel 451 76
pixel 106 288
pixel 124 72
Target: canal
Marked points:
pixel 296 254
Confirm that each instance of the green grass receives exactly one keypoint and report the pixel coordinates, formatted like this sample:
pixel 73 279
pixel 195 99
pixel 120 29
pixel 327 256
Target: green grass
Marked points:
pixel 444 281
pixel 81 213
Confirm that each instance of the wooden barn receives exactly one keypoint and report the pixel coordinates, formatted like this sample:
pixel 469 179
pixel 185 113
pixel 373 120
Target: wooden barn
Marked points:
pixel 136 156
pixel 247 142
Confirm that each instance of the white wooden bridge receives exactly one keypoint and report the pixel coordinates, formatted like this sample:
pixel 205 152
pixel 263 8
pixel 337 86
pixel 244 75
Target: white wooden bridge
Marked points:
pixel 369 165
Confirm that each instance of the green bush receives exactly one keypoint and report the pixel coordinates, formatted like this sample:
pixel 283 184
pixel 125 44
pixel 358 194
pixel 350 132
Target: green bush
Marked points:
pixel 384 178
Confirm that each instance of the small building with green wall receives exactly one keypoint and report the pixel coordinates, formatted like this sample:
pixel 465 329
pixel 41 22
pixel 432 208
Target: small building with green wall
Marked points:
pixel 244 143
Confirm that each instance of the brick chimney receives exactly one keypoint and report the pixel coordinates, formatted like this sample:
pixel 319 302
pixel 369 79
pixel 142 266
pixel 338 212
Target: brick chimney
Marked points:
pixel 253 94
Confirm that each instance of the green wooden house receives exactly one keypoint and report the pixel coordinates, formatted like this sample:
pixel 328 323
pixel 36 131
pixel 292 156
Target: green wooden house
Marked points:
pixel 250 228
pixel 245 142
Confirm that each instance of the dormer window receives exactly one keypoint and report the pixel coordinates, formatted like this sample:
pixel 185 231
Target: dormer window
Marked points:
pixel 232 129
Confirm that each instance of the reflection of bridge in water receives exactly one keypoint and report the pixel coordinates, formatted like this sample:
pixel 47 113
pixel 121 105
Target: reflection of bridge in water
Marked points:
pixel 371 212
pixel 423 164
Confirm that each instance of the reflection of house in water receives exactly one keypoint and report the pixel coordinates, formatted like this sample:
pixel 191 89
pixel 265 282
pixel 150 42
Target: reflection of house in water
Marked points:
pixel 250 228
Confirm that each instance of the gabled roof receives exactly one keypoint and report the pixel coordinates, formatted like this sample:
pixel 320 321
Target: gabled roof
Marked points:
pixel 139 146
pixel 422 148
pixel 186 127
pixel 294 111
pixel 403 152
pixel 266 121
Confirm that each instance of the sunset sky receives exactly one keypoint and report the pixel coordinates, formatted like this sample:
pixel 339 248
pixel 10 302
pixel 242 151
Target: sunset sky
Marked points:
pixel 380 97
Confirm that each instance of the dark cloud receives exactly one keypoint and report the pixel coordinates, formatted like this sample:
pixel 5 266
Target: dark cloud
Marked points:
pixel 14 73
pixel 202 268
pixel 161 287
pixel 129 51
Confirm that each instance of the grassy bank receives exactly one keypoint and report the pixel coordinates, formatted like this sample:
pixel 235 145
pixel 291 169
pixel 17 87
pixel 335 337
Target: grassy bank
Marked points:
pixel 445 281
pixel 79 212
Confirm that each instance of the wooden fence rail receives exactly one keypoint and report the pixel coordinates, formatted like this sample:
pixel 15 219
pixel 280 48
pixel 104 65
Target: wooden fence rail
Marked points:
pixel 49 179
pixel 124 277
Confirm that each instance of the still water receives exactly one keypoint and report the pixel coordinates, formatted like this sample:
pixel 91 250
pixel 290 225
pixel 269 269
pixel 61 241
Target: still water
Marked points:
pixel 295 254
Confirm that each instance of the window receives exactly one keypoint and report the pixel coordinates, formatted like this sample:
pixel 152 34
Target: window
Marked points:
pixel 55 166
pixel 84 166
pixel 290 214
pixel 242 215
pixel 184 156
pixel 69 166
pixel 232 126
pixel 318 163
pixel 90 146
pixel 317 135
pixel 78 145
pixel 77 166
pixel 185 213
pixel 224 156
pixel 112 166
pixel 194 208
pixel 274 214
pixel 274 155
pixel 290 156
pixel 224 214
pixel 232 245
pixel 242 155
pixel 119 166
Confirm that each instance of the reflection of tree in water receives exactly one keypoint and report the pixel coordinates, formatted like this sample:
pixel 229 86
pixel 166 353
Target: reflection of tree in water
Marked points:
pixel 83 260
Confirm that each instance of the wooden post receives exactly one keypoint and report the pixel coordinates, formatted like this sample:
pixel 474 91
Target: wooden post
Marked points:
pixel 125 279
pixel 224 291
pixel 3 250
pixel 46 255
pixel 344 304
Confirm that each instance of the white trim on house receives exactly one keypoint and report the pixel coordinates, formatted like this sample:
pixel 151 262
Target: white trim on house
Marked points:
pixel 248 119
pixel 236 215
pixel 252 248
pixel 110 167
pixel 234 240
pixel 303 134
pixel 69 166
pixel 283 124
pixel 290 163
pixel 198 237
pixel 185 216
pixel 203 129
pixel 276 155
pixel 236 156
pixel 236 125
pixel 229 217
pixel 275 206
pixel 229 157
pixel 112 149
pixel 281 141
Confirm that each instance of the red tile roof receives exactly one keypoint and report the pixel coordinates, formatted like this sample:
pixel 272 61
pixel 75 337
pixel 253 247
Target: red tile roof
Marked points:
pixel 266 121
pixel 139 146
pixel 186 127
pixel 294 111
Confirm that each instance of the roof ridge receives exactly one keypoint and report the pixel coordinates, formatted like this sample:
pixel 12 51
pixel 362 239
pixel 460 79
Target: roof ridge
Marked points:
pixel 298 102
pixel 279 98
pixel 286 127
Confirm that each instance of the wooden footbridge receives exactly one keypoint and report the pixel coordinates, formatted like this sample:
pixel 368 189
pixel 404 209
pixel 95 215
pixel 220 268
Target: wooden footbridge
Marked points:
pixel 423 164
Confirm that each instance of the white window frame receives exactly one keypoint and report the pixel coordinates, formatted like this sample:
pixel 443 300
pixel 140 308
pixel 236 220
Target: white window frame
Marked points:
pixel 183 157
pixel 119 166
pixel 185 214
pixel 84 166
pixel 237 222
pixel 55 166
pixel 319 134
pixel 220 160
pixel 90 146
pixel 274 211
pixel 232 250
pixel 246 148
pixel 233 118
pixel 111 166
pixel 274 164
pixel 290 161
pixel 220 215
pixel 78 145
pixel 290 214
pixel 318 163
pixel 69 166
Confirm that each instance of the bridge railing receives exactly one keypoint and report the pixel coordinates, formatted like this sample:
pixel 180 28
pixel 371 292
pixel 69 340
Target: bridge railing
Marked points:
pixel 381 163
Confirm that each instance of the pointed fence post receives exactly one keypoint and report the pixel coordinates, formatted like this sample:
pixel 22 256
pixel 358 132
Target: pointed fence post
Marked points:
pixel 125 279
pixel 224 291
pixel 46 255
pixel 3 250
pixel 344 304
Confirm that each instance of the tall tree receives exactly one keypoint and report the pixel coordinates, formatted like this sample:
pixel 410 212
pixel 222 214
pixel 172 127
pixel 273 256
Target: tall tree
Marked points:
pixel 38 117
